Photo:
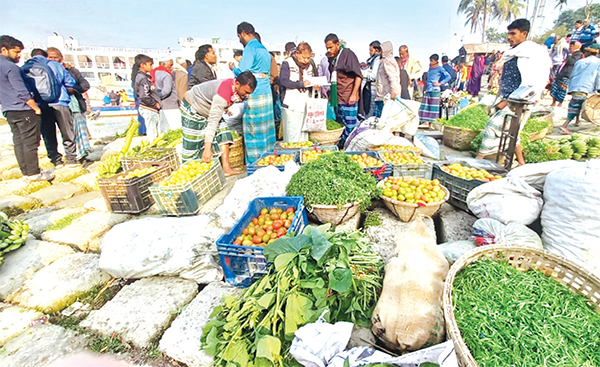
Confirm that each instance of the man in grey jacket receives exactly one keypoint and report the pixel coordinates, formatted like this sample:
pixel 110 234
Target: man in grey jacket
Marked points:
pixel 170 116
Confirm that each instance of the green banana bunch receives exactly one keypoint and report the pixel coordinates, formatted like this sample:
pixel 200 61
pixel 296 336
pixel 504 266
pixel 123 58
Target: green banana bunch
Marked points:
pixel 12 234
pixel 110 166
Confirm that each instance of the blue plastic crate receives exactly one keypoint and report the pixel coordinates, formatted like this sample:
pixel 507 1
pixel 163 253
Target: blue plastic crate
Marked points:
pixel 243 265
pixel 382 175
pixel 253 167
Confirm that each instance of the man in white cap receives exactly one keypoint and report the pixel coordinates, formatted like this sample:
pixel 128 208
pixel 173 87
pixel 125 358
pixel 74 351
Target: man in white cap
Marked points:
pixel 162 77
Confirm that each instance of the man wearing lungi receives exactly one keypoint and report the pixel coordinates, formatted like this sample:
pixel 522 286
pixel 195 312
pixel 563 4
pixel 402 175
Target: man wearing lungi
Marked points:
pixel 430 105
pixel 205 134
pixel 259 126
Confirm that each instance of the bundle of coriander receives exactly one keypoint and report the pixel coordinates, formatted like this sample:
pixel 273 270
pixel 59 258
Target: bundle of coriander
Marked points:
pixel 471 118
pixel 509 317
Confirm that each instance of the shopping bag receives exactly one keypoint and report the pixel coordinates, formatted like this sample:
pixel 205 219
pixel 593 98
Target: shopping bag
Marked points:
pixel 316 112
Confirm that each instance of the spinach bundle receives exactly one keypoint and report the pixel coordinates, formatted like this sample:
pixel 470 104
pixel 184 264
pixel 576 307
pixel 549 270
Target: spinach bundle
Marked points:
pixel 310 273
pixel 509 317
pixel 333 179
pixel 471 118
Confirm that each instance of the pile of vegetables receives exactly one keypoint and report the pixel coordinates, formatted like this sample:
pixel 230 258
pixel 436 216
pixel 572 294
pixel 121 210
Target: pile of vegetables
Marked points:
pixel 333 179
pixel 333 125
pixel 13 234
pixel 509 317
pixel 573 147
pixel 532 126
pixel 316 271
pixel 112 165
pixel 471 118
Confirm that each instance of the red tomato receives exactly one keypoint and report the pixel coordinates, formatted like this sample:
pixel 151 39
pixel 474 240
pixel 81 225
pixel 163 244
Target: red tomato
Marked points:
pixel 255 221
pixel 289 210
pixel 277 224
pixel 237 242
pixel 256 239
pixel 281 232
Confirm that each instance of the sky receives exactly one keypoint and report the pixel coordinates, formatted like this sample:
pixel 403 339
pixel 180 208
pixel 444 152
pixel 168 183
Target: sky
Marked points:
pixel 426 26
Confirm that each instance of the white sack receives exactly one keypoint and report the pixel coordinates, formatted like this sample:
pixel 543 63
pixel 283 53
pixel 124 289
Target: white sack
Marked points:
pixel 373 137
pixel 535 173
pixel 146 247
pixel 400 115
pixel 571 214
pixel 315 344
pixel 507 200
pixel 488 231
pixel 453 250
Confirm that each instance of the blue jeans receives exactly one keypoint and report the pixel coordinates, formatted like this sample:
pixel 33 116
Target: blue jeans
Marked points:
pixel 378 108
pixel 142 127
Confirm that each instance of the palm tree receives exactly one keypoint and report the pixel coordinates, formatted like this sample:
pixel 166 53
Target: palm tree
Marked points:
pixel 479 11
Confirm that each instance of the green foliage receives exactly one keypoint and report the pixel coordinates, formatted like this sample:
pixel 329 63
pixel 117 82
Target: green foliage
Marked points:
pixel 372 219
pixel 309 273
pixel 492 35
pixel 472 118
pixel 509 317
pixel 333 179
pixel 475 144
pixel 333 125
pixel 63 223
pixel 112 345
pixel 569 17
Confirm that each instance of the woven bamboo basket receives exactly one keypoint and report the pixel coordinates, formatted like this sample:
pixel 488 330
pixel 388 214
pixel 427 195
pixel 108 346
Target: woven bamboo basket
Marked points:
pixel 591 109
pixel 458 138
pixel 576 278
pixel 545 115
pixel 236 153
pixel 407 211
pixel 330 137
pixel 539 135
pixel 331 213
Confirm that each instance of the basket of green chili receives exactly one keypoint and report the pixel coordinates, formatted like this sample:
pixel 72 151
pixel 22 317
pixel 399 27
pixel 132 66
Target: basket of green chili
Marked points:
pixel 516 306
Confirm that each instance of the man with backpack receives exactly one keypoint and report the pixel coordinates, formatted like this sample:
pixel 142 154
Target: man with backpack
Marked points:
pixel 55 109
pixel 20 110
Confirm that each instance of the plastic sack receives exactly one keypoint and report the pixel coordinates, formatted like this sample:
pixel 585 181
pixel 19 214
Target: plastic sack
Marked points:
pixel 487 231
pixel 316 113
pixel 507 200
pixel 535 173
pixel 429 146
pixel 571 215
pixel 315 344
pixel 453 250
pixel 442 354
pixel 398 116
pixel 372 137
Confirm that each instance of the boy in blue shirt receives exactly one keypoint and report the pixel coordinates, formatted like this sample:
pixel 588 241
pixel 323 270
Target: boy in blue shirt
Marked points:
pixel 430 104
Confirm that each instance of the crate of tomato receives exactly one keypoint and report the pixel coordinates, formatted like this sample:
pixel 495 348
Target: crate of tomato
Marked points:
pixel 265 220
pixel 373 163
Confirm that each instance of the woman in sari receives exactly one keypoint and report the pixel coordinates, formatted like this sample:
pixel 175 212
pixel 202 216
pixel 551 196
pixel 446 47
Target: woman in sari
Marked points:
pixel 560 85
pixel 476 74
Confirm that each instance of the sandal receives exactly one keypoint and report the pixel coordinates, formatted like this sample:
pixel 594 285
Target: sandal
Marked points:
pixel 42 176
pixel 565 130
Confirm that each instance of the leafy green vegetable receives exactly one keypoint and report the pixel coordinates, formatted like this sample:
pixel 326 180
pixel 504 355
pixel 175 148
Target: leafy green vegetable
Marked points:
pixel 372 219
pixel 333 125
pixel 535 126
pixel 542 151
pixel 310 273
pixel 475 144
pixel 509 317
pixel 472 118
pixel 333 179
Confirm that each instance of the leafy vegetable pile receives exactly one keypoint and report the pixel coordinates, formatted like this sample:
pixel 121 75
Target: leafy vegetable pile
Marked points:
pixel 311 273
pixel 532 126
pixel 333 125
pixel 574 147
pixel 513 318
pixel 471 118
pixel 333 179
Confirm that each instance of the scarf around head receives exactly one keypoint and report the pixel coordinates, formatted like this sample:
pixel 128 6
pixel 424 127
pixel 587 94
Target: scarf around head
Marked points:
pixel 301 66
pixel 159 68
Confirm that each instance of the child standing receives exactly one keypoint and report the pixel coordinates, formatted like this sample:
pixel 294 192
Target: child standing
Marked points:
pixel 148 96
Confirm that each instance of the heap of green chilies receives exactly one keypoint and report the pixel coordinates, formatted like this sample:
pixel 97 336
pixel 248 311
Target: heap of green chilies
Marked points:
pixel 523 319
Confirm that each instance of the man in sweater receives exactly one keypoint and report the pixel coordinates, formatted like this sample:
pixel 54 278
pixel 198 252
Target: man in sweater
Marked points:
pixel 203 71
pixel 162 77
pixel 20 110
pixel 410 71
pixel 205 134
pixel 430 105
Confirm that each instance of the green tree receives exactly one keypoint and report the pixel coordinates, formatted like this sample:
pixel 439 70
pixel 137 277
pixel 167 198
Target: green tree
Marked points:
pixel 492 35
pixel 568 17
pixel 478 12
pixel 561 30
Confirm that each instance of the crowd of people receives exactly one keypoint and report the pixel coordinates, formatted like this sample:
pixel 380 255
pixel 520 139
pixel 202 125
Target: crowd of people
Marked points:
pixel 181 94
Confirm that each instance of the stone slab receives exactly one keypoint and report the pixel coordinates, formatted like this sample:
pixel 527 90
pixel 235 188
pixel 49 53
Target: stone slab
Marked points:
pixel 22 264
pixel 40 219
pixel 57 285
pixel 41 345
pixel 57 192
pixel 455 224
pixel 182 340
pixel 78 201
pixel 383 237
pixel 20 187
pixel 14 205
pixel 8 161
pixel 14 321
pixel 86 230
pixel 69 173
pixel 98 204
pixel 141 311
pixel 88 182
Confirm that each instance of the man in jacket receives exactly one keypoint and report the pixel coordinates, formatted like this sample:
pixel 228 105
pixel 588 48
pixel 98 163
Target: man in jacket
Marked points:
pixel 369 75
pixel 58 113
pixel 162 77
pixel 450 70
pixel 20 110
pixel 388 77
pixel 588 34
pixel 203 71
pixel 410 71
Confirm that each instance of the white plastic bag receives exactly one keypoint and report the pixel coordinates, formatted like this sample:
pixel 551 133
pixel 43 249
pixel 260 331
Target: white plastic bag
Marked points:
pixel 535 173
pixel 398 116
pixel 315 344
pixel 453 250
pixel 507 200
pixel 571 214
pixel 316 112
pixel 488 231
pixel 373 137
pixel 428 145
